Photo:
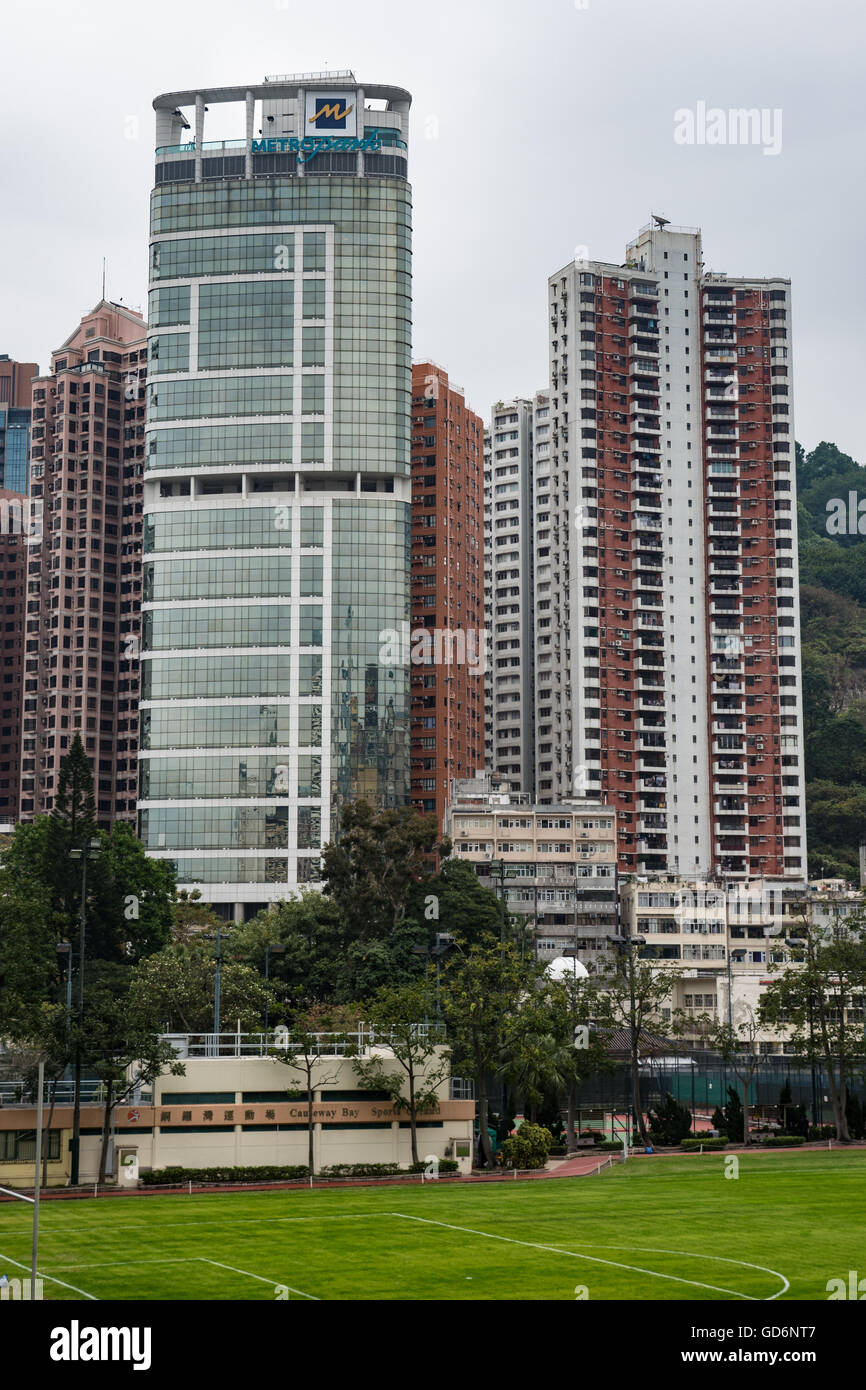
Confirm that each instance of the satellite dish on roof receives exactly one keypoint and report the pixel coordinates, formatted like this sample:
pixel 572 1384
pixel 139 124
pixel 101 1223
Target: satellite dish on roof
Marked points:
pixel 660 221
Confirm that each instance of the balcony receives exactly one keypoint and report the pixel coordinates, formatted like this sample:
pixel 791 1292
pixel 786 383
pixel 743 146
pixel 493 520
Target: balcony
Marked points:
pixel 651 725
pixel 645 424
pixel 734 725
pixel 730 805
pixel 643 522
pixel 722 750
pixel 730 761
pixel 652 825
pixel 643 367
pixel 734 788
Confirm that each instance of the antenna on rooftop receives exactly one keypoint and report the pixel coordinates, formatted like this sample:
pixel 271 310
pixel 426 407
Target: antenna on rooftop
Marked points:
pixel 660 221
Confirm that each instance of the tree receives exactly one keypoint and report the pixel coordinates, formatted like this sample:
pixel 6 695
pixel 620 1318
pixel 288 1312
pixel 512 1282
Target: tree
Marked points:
pixel 400 1017
pixel 374 865
pixel 794 1117
pixel 300 1046
pixel 738 1045
pixel 574 1007
pixel 817 997
pixel 122 1045
pixel 481 991
pixel 670 1122
pixel 190 917
pixel 529 1147
pixel 729 1121
pixel 176 988
pixel 633 993
pixel 464 906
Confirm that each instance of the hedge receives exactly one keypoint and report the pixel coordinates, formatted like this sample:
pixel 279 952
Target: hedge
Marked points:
pixel 693 1145
pixel 165 1177
pixel 784 1141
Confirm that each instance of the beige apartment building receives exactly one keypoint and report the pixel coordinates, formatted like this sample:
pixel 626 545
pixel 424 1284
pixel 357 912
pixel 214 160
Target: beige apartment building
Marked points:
pixel 724 941
pixel 555 865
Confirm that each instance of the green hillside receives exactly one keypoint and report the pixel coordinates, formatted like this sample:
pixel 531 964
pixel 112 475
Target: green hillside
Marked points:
pixel 833 617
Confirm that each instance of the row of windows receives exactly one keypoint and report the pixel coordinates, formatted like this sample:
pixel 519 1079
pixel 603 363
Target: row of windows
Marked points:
pixel 196 447
pixel 251 395
pixel 167 629
pixel 262 576
pixel 233 255
pixel 238 726
pixel 226 528
pixel 229 827
pixel 164 779
pixel 352 205
pixel 228 869
pixel 241 676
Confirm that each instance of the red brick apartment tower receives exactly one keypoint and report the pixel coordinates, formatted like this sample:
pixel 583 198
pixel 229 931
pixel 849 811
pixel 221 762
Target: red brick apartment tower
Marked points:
pixel 755 713
pixel 84 580
pixel 447 587
pixel 669 683
pixel 14 549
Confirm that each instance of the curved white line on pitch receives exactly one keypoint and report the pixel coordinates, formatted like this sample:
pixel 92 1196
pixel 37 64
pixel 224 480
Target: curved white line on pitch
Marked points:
pixel 615 1264
pixel 689 1255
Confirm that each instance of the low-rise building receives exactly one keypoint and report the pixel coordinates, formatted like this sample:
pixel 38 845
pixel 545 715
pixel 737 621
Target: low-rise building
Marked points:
pixel 553 865
pixel 237 1106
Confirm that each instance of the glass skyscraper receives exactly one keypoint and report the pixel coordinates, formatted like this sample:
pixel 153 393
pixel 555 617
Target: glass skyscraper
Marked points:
pixel 277 486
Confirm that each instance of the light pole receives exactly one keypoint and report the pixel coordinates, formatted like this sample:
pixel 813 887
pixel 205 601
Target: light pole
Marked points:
pixel 88 850
pixel 278 950
pixel 625 947
pixel 64 948
pixel 803 943
pixel 497 866
pixel 739 952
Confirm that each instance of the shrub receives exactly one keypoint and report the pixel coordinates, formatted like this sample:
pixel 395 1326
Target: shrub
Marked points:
pixel 822 1132
pixel 360 1170
pixel 670 1123
pixel 690 1145
pixel 446 1165
pixel 528 1148
pixel 783 1141
pixel 167 1177
pixel 610 1146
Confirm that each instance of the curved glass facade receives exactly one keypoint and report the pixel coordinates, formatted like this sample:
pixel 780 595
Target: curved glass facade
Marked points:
pixel 277 521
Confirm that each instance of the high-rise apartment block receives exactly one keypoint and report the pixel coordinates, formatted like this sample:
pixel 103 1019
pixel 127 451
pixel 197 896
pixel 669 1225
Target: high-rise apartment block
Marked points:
pixel 278 483
pixel 518 429
pixel 669 682
pixel 15 534
pixel 449 661
pixel 15 387
pixel 84 575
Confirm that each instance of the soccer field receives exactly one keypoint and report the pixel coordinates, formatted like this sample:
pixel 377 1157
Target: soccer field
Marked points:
pixel 657 1229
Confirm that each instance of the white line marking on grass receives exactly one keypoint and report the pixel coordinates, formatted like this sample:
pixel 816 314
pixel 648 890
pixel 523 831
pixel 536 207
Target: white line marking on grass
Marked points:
pixel 274 1283
pixel 594 1259
pixel 51 1280
pixel 690 1255
pixel 92 1226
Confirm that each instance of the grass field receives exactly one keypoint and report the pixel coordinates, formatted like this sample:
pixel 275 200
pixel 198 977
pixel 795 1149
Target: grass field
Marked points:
pixel 662 1229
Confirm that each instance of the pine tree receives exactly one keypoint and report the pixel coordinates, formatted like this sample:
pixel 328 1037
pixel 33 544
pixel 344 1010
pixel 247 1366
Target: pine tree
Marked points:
pixel 734 1117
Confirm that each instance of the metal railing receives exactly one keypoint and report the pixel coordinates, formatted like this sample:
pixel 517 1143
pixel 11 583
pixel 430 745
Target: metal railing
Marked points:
pixel 20 1092
pixel 348 1043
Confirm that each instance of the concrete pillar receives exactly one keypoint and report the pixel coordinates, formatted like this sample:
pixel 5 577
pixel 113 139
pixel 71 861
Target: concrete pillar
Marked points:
pixel 250 133
pixel 199 134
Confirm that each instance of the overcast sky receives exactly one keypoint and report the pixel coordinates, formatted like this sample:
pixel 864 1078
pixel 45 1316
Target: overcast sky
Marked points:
pixel 538 126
